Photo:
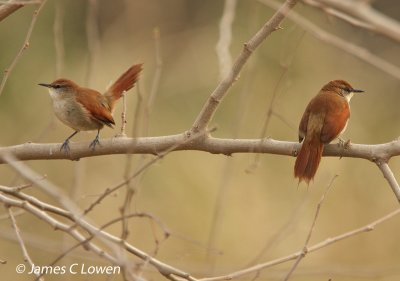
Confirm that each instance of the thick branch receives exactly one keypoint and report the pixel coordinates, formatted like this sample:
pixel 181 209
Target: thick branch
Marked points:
pixel 156 145
pixel 219 93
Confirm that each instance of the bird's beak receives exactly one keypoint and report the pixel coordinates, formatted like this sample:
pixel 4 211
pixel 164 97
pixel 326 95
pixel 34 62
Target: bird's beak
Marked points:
pixel 45 85
pixel 357 91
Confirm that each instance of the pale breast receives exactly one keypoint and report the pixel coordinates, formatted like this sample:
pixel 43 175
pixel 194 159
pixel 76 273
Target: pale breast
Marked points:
pixel 73 114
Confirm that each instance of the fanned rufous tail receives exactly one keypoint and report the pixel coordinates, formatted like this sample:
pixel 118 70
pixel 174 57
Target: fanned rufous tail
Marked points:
pixel 124 83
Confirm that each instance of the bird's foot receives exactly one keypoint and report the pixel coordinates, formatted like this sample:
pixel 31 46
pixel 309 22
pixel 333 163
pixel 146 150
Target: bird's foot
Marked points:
pixel 94 143
pixel 65 146
pixel 344 145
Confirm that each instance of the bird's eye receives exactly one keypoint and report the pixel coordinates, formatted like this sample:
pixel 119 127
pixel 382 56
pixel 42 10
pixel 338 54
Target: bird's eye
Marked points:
pixel 57 86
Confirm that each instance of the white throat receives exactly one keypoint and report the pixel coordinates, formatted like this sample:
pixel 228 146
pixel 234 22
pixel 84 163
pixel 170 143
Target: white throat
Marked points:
pixel 349 96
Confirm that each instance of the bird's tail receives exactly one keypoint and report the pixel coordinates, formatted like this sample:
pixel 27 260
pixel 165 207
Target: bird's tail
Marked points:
pixel 124 83
pixel 308 159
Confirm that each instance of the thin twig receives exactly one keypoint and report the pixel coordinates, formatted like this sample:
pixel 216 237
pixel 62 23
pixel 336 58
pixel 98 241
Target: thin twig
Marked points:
pixel 58 31
pixel 123 117
pixel 23 48
pixel 163 268
pixel 305 247
pixel 329 241
pixel 225 38
pixel 363 11
pixel 279 233
pixel 6 10
pixel 21 242
pixel 285 64
pixel 342 44
pixel 28 2
pixel 211 105
pixel 160 156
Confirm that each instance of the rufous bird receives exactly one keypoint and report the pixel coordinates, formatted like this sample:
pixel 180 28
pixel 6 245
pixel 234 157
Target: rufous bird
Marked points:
pixel 84 109
pixel 325 118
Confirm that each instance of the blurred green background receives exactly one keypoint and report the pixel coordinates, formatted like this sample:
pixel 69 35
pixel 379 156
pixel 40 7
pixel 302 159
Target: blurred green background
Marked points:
pixel 253 208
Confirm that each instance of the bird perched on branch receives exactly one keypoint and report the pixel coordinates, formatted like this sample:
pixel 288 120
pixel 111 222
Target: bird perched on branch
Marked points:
pixel 84 109
pixel 325 118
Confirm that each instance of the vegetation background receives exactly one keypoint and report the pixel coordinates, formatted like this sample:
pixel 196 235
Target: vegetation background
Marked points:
pixel 223 213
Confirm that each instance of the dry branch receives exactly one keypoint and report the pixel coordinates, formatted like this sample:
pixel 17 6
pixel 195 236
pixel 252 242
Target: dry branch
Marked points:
pixel 157 145
pixel 337 42
pixel 363 16
pixel 211 105
pixel 329 241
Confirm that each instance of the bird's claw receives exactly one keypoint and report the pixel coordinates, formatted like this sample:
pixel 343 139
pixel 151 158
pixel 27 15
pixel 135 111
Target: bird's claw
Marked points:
pixel 94 143
pixel 344 145
pixel 65 147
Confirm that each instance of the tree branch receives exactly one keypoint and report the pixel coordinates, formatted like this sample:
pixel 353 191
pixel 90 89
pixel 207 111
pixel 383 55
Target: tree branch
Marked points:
pixel 335 41
pixel 211 105
pixel 157 145
pixel 389 176
pixel 8 9
pixel 364 13
pixel 315 247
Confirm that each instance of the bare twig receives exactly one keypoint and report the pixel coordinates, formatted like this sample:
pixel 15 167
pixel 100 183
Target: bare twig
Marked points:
pixel 161 155
pixel 389 176
pixel 163 268
pixel 305 247
pixel 123 117
pixel 24 46
pixel 211 105
pixel 56 225
pixel 9 8
pixel 16 2
pixel 339 43
pixel 225 38
pixel 25 253
pixel 58 31
pixel 362 11
pixel 279 233
pixel 343 16
pixel 329 241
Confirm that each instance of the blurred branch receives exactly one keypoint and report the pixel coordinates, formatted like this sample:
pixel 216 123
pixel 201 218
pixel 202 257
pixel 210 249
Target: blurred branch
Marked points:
pixel 21 242
pixel 305 247
pixel 329 241
pixel 211 105
pixel 333 40
pixel 225 38
pixel 73 212
pixel 24 46
pixel 360 14
pixel 7 8
pixel 58 31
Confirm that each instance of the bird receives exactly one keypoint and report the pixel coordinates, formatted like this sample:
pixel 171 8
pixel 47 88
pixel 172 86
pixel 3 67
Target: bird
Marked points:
pixel 84 109
pixel 324 119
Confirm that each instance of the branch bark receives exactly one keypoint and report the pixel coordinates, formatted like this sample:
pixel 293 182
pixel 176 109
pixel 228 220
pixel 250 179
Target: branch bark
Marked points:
pixel 157 145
